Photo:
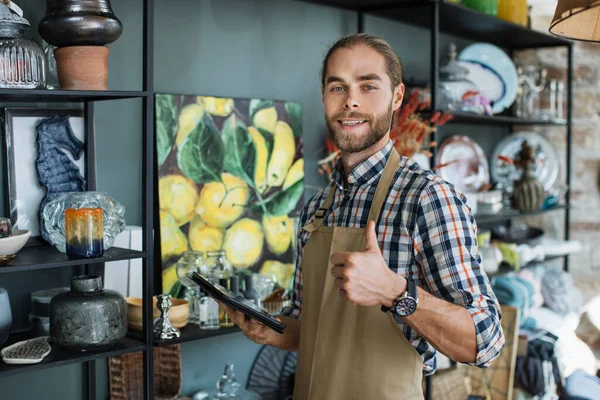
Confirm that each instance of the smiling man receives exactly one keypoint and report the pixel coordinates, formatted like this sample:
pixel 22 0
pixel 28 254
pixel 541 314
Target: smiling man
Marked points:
pixel 388 269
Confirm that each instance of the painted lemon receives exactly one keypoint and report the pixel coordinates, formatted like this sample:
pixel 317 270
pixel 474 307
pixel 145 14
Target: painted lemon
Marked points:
pixel 204 237
pixel 178 195
pixel 282 274
pixel 295 173
pixel 284 149
pixel 278 232
pixel 218 106
pixel 173 242
pixel 261 158
pixel 189 117
pixel 221 203
pixel 266 119
pixel 169 278
pixel 244 242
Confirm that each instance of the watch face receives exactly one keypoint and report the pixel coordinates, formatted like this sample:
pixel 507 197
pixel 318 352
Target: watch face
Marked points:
pixel 406 306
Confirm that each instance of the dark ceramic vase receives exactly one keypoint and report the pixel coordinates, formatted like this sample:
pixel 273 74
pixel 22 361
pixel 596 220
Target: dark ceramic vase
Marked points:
pixel 79 23
pixel 5 316
pixel 87 317
pixel 529 193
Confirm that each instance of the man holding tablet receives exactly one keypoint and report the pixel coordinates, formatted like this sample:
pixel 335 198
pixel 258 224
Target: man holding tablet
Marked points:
pixel 388 269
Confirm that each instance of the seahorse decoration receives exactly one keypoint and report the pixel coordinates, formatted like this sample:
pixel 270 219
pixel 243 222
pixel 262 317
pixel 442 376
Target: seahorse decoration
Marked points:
pixel 56 172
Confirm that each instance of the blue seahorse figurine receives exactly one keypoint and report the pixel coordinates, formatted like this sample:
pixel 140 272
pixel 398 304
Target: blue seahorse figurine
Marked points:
pixel 56 172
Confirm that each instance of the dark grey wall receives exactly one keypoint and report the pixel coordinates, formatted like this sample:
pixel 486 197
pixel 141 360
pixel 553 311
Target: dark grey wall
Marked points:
pixel 238 48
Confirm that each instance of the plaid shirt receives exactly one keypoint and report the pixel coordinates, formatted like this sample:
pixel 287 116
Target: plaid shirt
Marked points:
pixel 426 232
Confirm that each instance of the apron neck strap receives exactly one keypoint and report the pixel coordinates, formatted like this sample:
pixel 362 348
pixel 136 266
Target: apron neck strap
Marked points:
pixel 391 166
pixel 385 181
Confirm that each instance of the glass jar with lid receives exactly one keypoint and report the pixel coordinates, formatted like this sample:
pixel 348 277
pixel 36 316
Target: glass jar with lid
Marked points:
pixel 454 85
pixel 22 60
pixel 218 265
pixel 191 261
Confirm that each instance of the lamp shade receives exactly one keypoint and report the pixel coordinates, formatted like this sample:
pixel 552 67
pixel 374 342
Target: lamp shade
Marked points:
pixel 577 20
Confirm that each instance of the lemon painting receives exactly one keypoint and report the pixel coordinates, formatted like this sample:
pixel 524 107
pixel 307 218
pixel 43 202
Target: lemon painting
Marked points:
pixel 231 178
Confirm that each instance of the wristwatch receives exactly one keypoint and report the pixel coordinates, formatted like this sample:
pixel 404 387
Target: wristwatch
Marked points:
pixel 406 304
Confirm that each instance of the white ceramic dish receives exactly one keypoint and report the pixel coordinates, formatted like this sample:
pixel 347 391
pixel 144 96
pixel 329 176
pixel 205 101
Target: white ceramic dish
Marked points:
pixel 30 351
pixel 487 81
pixel 494 58
pixel 466 165
pixel 12 244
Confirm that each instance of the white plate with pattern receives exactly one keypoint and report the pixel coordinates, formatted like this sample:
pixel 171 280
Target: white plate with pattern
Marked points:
pixel 30 351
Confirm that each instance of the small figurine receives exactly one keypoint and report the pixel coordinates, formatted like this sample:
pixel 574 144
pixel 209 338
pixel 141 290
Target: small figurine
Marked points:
pixel 528 193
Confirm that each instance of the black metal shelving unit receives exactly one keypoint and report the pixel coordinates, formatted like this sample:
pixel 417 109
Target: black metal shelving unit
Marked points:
pixel 436 15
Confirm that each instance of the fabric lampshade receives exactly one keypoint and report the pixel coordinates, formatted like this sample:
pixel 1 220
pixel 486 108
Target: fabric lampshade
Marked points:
pixel 577 20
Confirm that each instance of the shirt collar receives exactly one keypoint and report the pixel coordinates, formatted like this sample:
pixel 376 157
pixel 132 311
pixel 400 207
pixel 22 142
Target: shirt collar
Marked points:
pixel 366 171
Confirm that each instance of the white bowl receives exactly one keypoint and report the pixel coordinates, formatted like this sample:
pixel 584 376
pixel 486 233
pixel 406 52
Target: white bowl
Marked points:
pixel 12 244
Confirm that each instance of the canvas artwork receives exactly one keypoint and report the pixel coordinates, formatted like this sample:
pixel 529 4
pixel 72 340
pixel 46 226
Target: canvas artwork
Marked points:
pixel 231 178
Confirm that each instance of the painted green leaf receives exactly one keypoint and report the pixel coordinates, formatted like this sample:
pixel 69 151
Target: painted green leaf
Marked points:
pixel 284 202
pixel 257 105
pixel 294 111
pixel 239 149
pixel 166 125
pixel 202 153
pixel 270 141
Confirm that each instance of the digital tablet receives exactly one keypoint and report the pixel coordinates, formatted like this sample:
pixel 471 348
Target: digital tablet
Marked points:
pixel 238 303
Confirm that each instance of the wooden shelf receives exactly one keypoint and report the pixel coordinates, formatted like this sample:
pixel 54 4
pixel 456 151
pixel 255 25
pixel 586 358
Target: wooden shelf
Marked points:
pixel 511 214
pixel 455 20
pixel 59 356
pixel 188 334
pixel 45 256
pixel 66 96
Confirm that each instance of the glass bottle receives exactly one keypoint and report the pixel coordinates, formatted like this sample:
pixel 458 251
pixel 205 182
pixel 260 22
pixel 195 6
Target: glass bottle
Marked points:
pixel 218 266
pixel 22 60
pixel 224 319
pixel 191 261
pixel 51 68
pixel 208 313
pixel 249 292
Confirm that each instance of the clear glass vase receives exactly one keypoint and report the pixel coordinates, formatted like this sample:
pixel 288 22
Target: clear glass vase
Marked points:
pixel 219 266
pixel 22 60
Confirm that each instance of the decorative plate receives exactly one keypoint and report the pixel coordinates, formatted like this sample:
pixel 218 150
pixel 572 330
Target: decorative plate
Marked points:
pixel 30 351
pixel 494 58
pixel 546 158
pixel 462 162
pixel 488 82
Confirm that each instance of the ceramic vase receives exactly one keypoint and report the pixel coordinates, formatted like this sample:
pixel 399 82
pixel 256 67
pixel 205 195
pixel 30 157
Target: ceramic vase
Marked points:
pixel 80 29
pixel 5 316
pixel 528 193
pixel 87 317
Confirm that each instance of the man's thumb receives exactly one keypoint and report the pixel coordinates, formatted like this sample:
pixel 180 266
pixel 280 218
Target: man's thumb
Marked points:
pixel 371 237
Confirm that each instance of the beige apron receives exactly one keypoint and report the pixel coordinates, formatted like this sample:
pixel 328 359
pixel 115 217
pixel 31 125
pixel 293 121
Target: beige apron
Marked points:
pixel 349 351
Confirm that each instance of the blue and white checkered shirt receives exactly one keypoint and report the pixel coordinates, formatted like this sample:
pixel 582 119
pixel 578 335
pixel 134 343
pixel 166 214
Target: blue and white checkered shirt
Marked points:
pixel 426 232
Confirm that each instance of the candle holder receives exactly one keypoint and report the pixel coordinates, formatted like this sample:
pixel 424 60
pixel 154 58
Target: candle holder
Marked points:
pixel 5 227
pixel 163 329
pixel 84 232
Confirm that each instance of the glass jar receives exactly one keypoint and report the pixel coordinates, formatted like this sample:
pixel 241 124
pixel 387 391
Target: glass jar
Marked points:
pixel 489 7
pixel 22 60
pixel 515 11
pixel 219 266
pixel 191 261
pixel 454 85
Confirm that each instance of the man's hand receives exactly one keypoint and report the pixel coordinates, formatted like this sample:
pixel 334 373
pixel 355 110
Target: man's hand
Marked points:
pixel 253 329
pixel 364 278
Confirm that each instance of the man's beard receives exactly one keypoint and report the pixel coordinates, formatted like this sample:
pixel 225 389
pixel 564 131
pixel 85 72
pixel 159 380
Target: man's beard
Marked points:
pixel 349 142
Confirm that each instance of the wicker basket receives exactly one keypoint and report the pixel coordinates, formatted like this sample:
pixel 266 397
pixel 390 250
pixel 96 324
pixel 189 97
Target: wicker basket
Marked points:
pixel 127 380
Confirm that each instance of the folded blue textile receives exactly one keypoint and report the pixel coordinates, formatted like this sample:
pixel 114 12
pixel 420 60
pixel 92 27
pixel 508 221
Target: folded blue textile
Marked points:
pixel 515 292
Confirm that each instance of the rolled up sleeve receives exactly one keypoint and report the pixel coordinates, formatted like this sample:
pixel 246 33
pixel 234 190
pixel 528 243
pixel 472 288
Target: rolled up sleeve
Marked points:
pixel 445 246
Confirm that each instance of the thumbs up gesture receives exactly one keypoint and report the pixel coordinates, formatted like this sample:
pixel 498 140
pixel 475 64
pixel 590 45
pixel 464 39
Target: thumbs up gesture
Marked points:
pixel 363 277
